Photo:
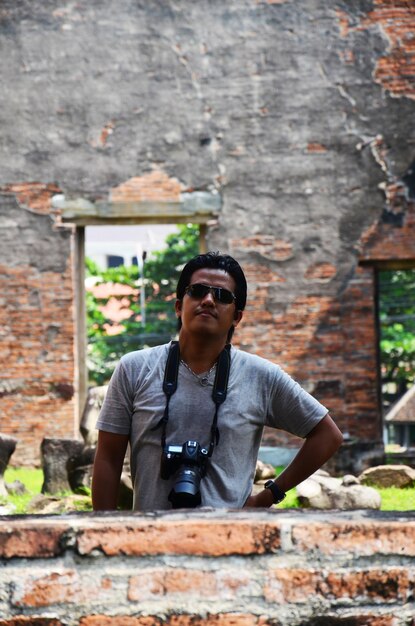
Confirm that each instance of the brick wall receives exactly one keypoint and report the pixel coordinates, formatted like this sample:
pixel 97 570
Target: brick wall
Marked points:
pixel 262 568
pixel 395 19
pixel 300 115
pixel 328 343
pixel 36 321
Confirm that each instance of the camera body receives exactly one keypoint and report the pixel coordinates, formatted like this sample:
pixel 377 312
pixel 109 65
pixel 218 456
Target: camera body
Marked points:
pixel 188 462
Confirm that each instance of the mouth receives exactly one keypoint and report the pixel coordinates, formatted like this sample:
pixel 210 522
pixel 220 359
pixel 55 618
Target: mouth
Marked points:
pixel 205 313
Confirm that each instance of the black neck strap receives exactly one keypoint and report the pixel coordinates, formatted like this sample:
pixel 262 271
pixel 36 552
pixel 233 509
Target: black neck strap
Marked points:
pixel 219 392
pixel 220 389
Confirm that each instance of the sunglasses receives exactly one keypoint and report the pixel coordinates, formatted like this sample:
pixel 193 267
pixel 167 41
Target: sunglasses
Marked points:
pixel 199 291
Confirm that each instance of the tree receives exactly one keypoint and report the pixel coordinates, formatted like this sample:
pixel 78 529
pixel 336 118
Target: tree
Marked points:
pixel 161 272
pixel 397 332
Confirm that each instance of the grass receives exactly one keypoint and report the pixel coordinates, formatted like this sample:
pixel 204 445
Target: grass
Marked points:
pixel 393 499
pixel 33 480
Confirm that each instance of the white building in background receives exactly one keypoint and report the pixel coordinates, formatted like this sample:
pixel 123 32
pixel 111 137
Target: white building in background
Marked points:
pixel 110 246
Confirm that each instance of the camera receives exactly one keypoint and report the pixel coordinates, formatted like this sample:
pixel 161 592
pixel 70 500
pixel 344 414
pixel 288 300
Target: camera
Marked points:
pixel 188 462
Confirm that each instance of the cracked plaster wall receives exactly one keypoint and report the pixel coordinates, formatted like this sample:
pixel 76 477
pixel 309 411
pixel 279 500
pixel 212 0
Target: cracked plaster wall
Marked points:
pixel 299 113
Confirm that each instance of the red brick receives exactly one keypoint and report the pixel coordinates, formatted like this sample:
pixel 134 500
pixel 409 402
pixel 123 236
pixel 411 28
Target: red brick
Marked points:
pixel 154 186
pixel 153 583
pixel 57 587
pixel 290 585
pixel 34 297
pixel 301 585
pixel 36 196
pixel 382 241
pixel 387 585
pixel 322 272
pixel 197 537
pixel 316 148
pixel 394 71
pixel 266 245
pixel 362 538
pixel 31 539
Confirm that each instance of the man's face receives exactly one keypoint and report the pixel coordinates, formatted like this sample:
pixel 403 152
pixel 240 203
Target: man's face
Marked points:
pixel 207 315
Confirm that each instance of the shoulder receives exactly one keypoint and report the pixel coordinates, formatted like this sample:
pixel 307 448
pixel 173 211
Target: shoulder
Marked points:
pixel 253 370
pixel 253 361
pixel 146 355
pixel 146 359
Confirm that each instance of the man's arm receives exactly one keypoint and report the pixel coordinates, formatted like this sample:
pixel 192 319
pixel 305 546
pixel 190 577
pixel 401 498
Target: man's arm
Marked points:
pixel 320 444
pixel 109 459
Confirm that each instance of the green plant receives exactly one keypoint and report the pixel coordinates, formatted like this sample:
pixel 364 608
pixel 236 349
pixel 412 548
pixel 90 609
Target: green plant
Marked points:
pixel 397 332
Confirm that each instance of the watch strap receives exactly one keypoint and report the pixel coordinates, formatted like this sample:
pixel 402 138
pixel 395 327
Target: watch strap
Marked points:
pixel 277 493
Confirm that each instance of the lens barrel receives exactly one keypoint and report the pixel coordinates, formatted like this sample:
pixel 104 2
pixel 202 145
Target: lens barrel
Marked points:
pixel 186 489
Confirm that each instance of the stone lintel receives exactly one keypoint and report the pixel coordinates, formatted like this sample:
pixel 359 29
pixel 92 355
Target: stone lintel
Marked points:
pixel 199 207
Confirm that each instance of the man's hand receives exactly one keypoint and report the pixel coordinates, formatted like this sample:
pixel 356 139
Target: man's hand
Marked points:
pixel 263 499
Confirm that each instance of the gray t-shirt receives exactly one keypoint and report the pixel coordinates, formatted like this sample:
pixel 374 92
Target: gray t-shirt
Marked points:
pixel 259 393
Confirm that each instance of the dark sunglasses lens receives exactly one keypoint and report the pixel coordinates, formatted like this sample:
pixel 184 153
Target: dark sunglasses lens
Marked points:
pixel 223 295
pixel 199 291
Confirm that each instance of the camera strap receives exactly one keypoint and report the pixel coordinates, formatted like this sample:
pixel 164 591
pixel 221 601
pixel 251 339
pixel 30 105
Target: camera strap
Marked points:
pixel 219 392
pixel 171 373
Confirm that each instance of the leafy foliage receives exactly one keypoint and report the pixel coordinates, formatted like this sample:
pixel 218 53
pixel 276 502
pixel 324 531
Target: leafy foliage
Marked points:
pixel 158 279
pixel 397 332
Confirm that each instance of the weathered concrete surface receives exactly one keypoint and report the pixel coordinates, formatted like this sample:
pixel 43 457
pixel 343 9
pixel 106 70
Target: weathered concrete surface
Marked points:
pixel 300 114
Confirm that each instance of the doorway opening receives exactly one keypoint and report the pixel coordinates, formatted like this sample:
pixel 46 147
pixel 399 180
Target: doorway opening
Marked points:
pixel 130 279
pixel 396 307
pixel 130 209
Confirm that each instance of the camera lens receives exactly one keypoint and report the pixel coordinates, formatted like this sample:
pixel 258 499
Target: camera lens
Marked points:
pixel 185 492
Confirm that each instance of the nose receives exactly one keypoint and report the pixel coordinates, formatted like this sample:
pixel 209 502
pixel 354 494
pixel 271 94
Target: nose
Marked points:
pixel 209 298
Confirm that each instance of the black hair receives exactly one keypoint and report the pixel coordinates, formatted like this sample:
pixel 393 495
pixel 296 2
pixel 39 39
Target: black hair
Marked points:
pixel 216 261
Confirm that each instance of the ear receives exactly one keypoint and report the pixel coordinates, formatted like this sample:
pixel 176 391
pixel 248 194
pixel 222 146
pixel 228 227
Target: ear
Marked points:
pixel 237 317
pixel 178 308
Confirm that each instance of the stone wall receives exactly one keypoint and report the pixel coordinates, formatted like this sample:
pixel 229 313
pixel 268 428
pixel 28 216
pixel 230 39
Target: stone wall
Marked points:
pixel 299 114
pixel 257 568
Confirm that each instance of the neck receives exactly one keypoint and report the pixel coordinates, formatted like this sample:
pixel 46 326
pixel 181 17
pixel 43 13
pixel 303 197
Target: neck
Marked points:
pixel 200 355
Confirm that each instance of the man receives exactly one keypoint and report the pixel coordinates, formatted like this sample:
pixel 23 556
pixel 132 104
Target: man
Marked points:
pixel 211 297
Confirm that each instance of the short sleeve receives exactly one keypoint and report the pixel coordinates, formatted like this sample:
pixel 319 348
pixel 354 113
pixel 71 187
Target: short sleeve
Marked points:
pixel 292 408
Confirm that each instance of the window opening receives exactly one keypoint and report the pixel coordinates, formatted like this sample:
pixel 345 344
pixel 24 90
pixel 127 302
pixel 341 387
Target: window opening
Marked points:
pixel 396 306
pixel 114 260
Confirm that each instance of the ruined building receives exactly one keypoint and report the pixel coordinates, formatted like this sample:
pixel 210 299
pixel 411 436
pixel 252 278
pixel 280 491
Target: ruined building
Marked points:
pixel 286 129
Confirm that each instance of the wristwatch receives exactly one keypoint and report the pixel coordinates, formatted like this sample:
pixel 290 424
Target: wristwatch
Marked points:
pixel 277 493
